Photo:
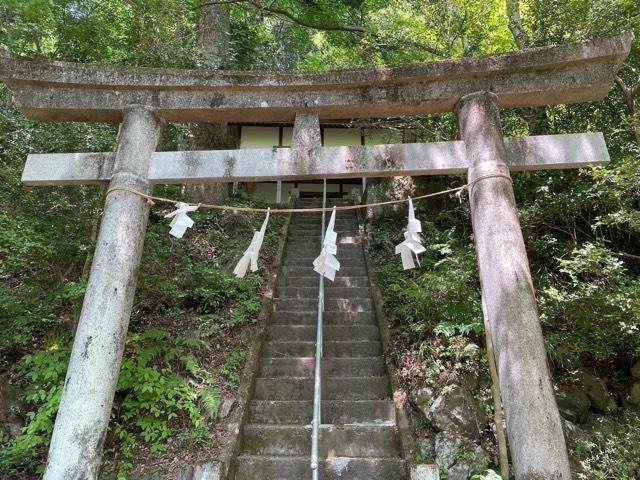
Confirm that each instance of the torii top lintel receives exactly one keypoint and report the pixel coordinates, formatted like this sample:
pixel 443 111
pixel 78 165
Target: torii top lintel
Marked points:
pixel 561 74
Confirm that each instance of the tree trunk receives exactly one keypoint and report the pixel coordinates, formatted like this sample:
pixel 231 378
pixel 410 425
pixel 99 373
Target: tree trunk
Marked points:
pixel 213 42
pixel 515 23
pixel 630 99
pixel 213 36
pixel 630 92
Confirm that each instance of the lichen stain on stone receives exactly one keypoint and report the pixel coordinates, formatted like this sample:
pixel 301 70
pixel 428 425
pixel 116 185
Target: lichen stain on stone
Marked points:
pixel 217 99
pixel 358 159
pixel 92 442
pixel 348 162
pixel 229 165
pixel 301 163
pixel 388 161
pixel 393 93
pixel 192 163
pixel 339 465
pixel 87 343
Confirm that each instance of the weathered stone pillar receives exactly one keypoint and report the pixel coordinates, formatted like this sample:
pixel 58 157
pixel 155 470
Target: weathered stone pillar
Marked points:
pixel 89 387
pixel 534 430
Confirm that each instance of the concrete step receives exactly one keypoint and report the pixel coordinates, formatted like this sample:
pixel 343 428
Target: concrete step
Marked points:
pixel 331 367
pixel 379 412
pixel 339 388
pixel 346 244
pixel 350 348
pixel 291 333
pixel 340 215
pixel 305 250
pixel 302 237
pixel 251 467
pixel 346 440
pixel 345 271
pixel 330 203
pixel 310 281
pixel 314 233
pixel 330 304
pixel 311 248
pixel 358 433
pixel 330 291
pixel 317 222
pixel 344 259
pixel 292 317
pixel 309 229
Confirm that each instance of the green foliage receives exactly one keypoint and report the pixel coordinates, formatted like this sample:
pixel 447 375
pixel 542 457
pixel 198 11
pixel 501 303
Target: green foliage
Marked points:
pixel 44 371
pixel 421 457
pixel 593 306
pixel 231 369
pixel 582 229
pixel 440 296
pixel 153 32
pixel 611 455
pixel 210 398
pixel 160 381
pixel 486 475
pixel 152 389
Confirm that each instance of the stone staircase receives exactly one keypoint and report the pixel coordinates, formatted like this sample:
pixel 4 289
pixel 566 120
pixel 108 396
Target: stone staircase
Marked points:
pixel 358 437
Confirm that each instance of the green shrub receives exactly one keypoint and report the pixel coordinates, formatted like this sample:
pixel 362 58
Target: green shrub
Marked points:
pixel 160 381
pixel 44 372
pixel 612 455
pixel 590 308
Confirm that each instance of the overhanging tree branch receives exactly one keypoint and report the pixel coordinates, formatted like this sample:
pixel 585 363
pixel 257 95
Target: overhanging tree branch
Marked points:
pixel 221 2
pixel 409 43
pixel 307 23
pixel 294 18
pixel 318 26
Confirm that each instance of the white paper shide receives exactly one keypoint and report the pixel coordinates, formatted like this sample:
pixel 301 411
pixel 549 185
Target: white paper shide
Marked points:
pixel 251 254
pixel 326 263
pixel 412 241
pixel 181 220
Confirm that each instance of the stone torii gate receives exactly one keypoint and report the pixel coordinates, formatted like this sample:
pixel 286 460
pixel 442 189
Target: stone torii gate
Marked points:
pixel 143 100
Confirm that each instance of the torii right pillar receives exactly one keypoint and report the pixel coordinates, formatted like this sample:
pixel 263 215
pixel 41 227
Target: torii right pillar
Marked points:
pixel 534 429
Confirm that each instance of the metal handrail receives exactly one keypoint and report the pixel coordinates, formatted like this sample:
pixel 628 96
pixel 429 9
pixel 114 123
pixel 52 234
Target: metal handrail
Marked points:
pixel 317 386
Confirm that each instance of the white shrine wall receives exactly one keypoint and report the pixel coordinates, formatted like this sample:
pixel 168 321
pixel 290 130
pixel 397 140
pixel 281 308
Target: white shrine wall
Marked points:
pixel 274 136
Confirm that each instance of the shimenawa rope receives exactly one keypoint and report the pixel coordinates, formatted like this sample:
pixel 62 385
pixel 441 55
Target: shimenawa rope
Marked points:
pixel 458 191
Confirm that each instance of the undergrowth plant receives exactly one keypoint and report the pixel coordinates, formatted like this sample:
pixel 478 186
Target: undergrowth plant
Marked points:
pixel 188 305
pixel 160 381
pixel 613 455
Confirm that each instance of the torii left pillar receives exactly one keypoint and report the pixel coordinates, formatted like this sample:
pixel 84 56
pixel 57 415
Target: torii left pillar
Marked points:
pixel 89 387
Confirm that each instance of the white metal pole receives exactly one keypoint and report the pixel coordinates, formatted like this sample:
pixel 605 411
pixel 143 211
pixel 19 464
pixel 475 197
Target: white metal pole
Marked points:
pixel 317 387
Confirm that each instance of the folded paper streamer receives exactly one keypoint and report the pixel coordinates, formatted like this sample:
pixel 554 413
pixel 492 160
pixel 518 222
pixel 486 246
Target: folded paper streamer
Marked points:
pixel 251 254
pixel 327 264
pixel 412 244
pixel 181 220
